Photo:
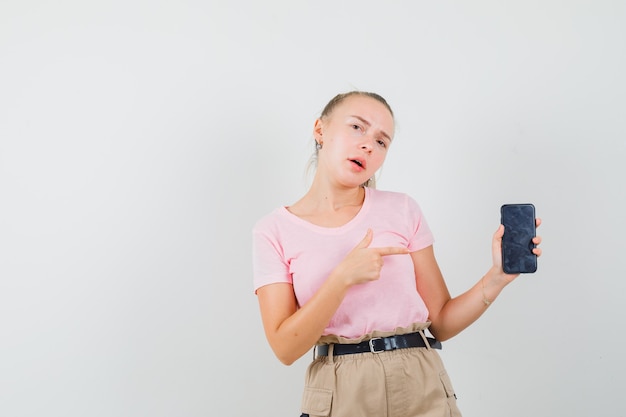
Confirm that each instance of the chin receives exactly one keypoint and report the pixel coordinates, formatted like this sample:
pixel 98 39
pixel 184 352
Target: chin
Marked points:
pixel 352 184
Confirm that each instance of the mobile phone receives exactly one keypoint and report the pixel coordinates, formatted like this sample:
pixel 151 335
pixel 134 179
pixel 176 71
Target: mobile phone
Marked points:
pixel 517 241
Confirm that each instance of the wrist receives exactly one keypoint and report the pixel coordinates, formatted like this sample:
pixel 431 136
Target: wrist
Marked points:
pixel 338 282
pixel 486 300
pixel 491 284
pixel 496 277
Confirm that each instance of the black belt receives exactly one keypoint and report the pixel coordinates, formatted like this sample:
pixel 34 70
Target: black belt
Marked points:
pixel 380 344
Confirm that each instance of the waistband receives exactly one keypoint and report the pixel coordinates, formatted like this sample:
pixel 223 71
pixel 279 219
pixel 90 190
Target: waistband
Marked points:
pixel 381 344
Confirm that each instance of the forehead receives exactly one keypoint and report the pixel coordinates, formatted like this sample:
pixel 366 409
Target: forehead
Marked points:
pixel 367 108
pixel 362 101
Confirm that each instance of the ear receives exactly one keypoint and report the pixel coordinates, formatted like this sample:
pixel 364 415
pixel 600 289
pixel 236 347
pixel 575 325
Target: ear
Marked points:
pixel 318 130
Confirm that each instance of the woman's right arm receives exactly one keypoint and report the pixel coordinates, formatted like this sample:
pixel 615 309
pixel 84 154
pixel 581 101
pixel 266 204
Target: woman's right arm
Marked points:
pixel 292 331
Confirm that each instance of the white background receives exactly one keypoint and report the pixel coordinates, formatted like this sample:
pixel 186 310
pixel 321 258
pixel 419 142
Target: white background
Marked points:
pixel 141 140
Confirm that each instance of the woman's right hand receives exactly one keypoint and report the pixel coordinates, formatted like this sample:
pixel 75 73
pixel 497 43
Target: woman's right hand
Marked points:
pixel 292 330
pixel 363 264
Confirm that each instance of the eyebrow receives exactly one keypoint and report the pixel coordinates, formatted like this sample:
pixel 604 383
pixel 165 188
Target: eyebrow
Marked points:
pixel 369 124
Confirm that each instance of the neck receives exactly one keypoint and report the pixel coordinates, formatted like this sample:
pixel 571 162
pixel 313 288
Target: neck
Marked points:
pixel 334 198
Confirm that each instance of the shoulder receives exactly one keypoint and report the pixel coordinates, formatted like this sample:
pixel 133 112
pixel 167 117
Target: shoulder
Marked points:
pixel 270 221
pixel 393 201
pixel 390 197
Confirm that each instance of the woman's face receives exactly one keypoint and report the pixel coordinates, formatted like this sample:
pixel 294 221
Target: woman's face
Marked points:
pixel 355 138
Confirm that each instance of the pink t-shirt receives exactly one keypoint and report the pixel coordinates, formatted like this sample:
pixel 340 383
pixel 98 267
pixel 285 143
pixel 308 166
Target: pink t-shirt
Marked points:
pixel 289 249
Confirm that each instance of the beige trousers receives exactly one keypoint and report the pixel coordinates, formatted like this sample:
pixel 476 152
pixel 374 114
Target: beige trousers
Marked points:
pixel 401 383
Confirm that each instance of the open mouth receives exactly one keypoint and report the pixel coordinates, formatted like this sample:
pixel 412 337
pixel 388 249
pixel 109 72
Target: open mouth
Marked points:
pixel 357 162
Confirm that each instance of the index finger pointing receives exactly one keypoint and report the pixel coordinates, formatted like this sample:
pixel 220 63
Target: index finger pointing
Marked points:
pixel 392 250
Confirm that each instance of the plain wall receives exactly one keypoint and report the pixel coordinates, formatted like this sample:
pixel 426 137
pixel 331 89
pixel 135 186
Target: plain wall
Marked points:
pixel 141 140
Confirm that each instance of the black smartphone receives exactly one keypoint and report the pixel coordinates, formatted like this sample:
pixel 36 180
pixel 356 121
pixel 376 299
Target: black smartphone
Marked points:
pixel 517 242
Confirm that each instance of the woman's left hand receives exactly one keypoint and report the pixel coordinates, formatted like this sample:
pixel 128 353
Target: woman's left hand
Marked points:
pixel 497 249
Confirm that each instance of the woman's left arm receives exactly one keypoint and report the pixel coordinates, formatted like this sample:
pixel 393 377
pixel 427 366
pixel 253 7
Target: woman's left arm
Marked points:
pixel 449 316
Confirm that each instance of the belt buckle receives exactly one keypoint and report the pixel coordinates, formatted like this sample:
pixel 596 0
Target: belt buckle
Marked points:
pixel 371 343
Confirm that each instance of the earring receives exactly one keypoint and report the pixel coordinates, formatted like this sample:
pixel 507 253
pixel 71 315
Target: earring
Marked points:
pixel 318 145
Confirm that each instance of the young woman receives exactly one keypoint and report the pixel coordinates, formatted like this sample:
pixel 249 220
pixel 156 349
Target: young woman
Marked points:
pixel 350 270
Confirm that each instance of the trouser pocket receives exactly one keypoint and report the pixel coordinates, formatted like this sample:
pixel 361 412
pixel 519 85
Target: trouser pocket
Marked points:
pixel 316 402
pixel 447 386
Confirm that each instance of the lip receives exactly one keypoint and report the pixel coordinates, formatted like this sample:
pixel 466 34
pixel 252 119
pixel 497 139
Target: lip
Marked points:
pixel 361 165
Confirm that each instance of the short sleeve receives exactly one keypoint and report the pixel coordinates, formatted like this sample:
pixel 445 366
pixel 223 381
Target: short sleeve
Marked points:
pixel 268 260
pixel 420 235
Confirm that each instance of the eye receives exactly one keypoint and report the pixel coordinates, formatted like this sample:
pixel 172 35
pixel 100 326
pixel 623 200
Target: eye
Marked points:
pixel 356 127
pixel 382 143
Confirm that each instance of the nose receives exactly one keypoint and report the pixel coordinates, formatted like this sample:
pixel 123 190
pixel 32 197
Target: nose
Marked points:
pixel 367 144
